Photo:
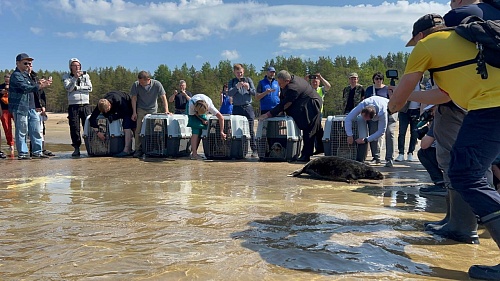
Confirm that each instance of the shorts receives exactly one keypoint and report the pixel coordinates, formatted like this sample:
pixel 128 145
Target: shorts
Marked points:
pixel 196 125
pixel 128 123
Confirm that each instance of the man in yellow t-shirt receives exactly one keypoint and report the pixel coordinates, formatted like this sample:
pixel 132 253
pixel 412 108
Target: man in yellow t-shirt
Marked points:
pixel 478 141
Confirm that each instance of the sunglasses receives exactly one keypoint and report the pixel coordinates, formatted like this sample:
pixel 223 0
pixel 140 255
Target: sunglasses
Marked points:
pixel 379 78
pixel 27 63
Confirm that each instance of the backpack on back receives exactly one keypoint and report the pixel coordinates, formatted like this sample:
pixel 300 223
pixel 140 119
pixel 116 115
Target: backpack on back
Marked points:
pixel 486 35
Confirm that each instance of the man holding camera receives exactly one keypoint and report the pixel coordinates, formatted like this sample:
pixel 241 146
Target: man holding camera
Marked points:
pixel 79 86
pixel 316 80
pixel 241 89
pixel 180 98
pixel 268 91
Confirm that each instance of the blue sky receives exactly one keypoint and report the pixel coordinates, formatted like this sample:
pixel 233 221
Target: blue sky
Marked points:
pixel 145 34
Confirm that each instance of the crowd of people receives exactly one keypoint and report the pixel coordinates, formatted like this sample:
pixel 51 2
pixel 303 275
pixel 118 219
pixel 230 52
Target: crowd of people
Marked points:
pixel 464 166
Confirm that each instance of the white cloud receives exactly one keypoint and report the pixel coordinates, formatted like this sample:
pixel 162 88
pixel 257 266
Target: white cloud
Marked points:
pixel 295 26
pixel 66 34
pixel 230 54
pixel 36 30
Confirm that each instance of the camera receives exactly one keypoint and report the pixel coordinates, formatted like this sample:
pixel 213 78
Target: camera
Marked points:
pixel 393 75
pixel 312 76
pixel 84 72
pixel 422 131
pixel 242 79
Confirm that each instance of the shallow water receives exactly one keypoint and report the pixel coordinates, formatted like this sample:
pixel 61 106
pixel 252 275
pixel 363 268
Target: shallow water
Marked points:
pixel 128 219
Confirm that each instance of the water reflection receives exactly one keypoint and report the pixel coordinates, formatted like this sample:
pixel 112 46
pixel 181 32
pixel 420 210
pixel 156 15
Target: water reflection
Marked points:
pixel 325 244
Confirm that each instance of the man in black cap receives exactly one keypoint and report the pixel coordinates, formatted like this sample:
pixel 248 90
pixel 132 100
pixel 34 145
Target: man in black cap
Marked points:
pixel 22 105
pixel 477 143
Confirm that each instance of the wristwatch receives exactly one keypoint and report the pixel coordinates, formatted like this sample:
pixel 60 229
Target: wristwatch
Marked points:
pixel 365 140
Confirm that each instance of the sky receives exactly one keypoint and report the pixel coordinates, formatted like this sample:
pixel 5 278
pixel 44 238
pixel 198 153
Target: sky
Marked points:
pixel 144 34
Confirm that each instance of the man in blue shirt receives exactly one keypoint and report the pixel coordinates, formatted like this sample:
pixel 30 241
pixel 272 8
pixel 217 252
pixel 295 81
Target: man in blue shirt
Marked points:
pixel 268 91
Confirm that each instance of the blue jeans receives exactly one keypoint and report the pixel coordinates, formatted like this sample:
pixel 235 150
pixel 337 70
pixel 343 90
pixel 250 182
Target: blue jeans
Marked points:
pixel 476 147
pixel 27 123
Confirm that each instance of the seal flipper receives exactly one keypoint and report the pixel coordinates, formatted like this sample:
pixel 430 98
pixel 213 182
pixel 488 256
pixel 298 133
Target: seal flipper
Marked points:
pixel 296 173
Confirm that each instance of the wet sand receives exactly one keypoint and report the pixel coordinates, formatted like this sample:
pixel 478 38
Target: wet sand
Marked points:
pixel 177 219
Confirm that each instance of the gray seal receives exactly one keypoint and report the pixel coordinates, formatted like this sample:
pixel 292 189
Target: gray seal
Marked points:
pixel 338 169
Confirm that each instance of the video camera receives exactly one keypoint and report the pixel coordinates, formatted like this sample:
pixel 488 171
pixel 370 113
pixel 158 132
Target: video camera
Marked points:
pixel 393 75
pixel 312 76
pixel 422 126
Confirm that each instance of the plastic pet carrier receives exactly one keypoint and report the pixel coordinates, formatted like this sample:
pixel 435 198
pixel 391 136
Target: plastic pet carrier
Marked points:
pixel 114 141
pixel 165 135
pixel 335 138
pixel 237 141
pixel 278 139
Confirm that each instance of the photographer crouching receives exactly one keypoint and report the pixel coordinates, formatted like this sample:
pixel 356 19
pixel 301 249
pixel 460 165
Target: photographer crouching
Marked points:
pixel 427 154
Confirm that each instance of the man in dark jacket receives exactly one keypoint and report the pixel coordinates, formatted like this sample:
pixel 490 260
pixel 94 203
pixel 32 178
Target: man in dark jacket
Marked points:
pixel 115 105
pixel 303 104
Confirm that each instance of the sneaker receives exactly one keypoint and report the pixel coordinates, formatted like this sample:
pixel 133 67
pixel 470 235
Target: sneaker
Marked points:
pixel 76 153
pixel 255 154
pixel 437 189
pixel 401 158
pixel 23 157
pixel 389 164
pixel 48 153
pixel 409 157
pixel 2 155
pixel 376 161
pixel 195 157
pixel 138 154
pixel 40 156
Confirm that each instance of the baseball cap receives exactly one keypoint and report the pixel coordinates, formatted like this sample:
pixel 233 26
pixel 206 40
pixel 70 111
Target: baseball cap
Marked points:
pixel 271 69
pixel 23 56
pixel 422 24
pixel 354 74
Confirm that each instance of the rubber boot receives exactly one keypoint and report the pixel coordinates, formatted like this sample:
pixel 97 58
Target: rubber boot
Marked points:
pixel 484 272
pixel 462 223
pixel 446 217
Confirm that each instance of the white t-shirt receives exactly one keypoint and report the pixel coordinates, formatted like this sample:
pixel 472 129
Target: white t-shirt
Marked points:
pixel 211 108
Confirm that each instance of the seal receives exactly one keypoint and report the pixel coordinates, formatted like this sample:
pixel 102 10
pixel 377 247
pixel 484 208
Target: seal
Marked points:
pixel 338 169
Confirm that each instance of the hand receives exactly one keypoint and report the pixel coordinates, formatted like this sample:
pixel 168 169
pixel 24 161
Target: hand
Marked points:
pixel 222 135
pixel 101 136
pixel 360 141
pixel 270 90
pixel 205 122
pixel 168 113
pixel 350 140
pixel 263 117
pixel 134 117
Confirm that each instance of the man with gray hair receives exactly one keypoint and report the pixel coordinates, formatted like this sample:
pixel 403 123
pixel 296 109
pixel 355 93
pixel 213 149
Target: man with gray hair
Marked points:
pixel 303 104
pixel 180 98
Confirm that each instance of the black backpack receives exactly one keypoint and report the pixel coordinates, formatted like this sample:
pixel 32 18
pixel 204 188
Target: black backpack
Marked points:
pixel 486 35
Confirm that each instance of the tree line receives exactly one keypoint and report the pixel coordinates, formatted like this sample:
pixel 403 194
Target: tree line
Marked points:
pixel 210 79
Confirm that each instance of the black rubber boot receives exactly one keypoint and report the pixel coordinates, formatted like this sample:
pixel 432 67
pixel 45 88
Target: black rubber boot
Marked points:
pixel 462 223
pixel 484 272
pixel 446 217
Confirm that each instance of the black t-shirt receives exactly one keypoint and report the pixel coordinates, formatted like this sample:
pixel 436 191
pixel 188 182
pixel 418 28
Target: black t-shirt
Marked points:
pixel 181 101
pixel 350 100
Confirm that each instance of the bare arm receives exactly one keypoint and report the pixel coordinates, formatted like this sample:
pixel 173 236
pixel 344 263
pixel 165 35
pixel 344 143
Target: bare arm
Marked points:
pixel 221 124
pixel 172 97
pixel 164 100
pixel 326 84
pixel 434 96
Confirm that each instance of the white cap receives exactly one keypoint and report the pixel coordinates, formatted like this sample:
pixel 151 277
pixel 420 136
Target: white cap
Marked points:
pixel 73 60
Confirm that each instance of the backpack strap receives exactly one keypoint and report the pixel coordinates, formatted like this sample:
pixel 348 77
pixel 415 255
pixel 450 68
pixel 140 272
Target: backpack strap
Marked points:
pixel 479 60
